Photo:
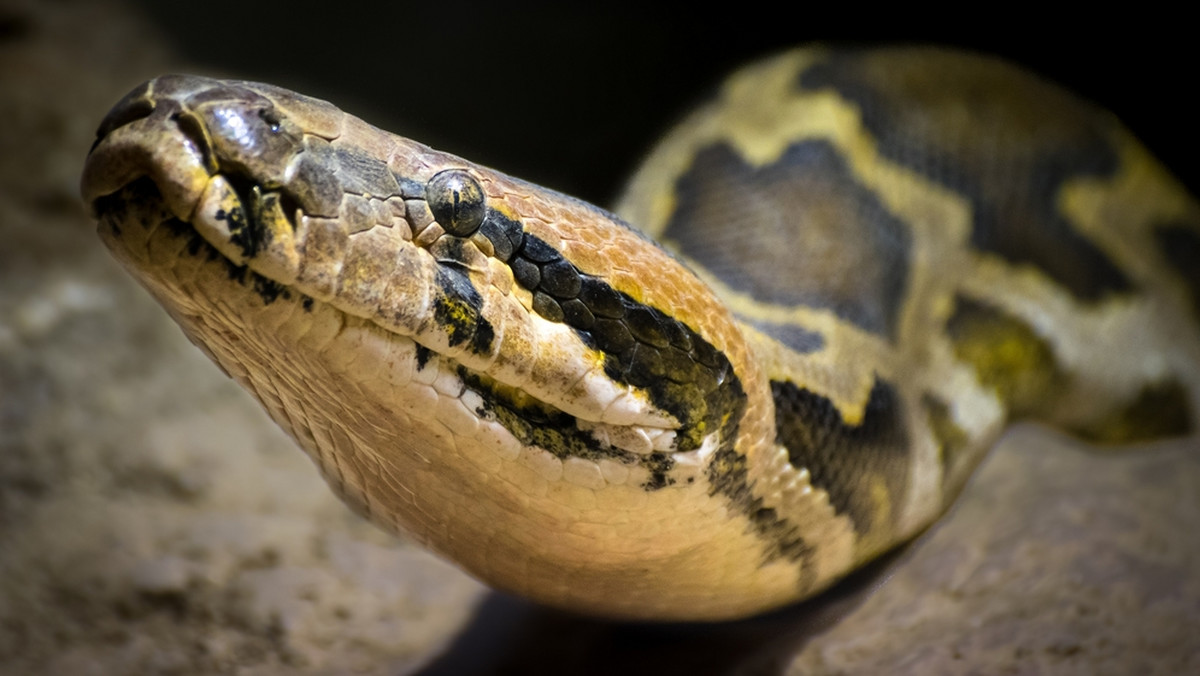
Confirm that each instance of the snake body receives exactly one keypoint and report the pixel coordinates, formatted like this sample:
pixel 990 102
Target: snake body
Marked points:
pixel 852 270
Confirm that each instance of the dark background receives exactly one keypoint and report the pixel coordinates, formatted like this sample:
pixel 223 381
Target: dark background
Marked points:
pixel 571 97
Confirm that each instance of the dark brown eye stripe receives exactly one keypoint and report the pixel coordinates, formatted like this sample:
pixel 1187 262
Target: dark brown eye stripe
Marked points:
pixel 504 233
pixel 643 346
pixel 841 457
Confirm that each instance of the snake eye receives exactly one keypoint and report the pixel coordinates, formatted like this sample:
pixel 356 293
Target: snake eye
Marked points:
pixel 271 118
pixel 457 201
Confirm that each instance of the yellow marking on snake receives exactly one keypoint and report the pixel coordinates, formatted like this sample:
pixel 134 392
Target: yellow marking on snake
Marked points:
pixel 868 263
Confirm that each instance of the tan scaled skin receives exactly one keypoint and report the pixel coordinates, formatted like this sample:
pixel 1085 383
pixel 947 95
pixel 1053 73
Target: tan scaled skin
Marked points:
pixel 397 442
pixel 298 247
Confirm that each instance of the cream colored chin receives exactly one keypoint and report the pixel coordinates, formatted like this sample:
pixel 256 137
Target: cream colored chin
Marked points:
pixel 407 447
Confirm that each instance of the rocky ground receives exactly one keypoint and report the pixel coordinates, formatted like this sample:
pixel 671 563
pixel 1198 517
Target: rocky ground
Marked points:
pixel 153 521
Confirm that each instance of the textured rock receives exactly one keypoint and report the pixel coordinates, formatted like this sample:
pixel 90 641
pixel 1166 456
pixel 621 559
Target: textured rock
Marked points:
pixel 1055 560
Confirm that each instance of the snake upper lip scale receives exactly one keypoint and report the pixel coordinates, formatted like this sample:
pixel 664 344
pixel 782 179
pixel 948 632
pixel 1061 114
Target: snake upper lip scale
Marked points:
pixel 877 259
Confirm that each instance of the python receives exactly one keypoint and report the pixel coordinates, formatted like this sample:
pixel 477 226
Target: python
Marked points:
pixel 850 272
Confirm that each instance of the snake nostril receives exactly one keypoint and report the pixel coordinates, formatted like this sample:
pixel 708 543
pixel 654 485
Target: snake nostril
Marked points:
pixel 130 109
pixel 271 118
pixel 193 129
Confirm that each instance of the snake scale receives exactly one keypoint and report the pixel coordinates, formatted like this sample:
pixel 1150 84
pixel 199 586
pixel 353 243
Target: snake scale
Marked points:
pixel 851 270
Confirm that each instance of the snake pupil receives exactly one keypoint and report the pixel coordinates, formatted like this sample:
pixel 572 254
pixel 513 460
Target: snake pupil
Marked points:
pixel 271 119
pixel 457 201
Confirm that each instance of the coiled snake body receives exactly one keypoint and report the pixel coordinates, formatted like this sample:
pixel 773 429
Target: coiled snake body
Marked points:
pixel 878 259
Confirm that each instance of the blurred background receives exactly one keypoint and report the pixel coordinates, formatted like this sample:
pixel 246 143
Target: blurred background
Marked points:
pixel 571 95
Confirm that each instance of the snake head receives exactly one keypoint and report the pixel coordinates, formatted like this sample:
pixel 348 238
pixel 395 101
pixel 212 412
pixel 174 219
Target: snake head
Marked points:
pixel 422 325
pixel 531 291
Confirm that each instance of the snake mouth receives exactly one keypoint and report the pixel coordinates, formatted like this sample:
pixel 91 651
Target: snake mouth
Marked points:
pixel 532 422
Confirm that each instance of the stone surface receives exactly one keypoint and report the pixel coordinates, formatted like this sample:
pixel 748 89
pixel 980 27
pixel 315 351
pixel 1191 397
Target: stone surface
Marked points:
pixel 1056 560
pixel 152 520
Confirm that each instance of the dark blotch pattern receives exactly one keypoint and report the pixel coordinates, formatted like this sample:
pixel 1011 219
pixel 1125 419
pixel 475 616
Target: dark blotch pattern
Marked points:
pixel 728 476
pixel 268 290
pixel 527 274
pixel 423 355
pixel 643 347
pixel 847 461
pixel 799 231
pixel 1008 356
pixel 1007 140
pixel 505 234
pixel 1180 247
pixel 799 339
pixel 451 251
pixel 458 310
pixel 1159 410
pixel 141 202
pixel 245 230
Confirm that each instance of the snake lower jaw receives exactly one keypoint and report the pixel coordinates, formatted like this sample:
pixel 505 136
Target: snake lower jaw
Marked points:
pixel 423 424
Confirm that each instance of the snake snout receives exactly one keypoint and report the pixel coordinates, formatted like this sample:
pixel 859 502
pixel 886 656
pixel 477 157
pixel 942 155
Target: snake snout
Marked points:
pixel 141 137
pixel 135 105
pixel 179 130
